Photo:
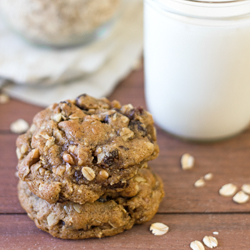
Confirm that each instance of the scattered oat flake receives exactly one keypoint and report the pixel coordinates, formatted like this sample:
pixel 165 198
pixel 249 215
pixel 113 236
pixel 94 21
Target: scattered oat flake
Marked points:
pixel 208 176
pixel 187 161
pixel 19 126
pixel 216 233
pixel 159 228
pixel 200 183
pixel 241 197
pixel 228 190
pixel 246 188
pixel 4 98
pixel 197 245
pixel 210 241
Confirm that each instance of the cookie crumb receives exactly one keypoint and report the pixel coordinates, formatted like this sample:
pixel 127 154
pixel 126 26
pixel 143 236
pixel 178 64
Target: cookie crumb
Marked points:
pixel 200 183
pixel 210 241
pixel 159 228
pixel 187 161
pixel 19 126
pixel 246 188
pixel 197 245
pixel 228 190
pixel 241 197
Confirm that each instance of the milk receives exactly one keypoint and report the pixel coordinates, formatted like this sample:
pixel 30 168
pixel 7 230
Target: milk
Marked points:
pixel 197 73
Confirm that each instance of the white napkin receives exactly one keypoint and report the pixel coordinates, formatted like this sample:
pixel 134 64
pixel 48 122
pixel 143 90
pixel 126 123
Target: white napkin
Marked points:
pixel 42 76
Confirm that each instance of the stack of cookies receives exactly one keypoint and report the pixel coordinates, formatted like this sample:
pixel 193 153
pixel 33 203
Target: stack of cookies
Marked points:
pixel 83 168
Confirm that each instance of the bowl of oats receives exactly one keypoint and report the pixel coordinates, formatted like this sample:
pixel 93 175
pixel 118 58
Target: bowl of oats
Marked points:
pixel 60 23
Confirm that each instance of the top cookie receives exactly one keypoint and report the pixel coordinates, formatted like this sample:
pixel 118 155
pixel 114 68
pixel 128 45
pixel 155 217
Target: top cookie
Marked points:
pixel 80 149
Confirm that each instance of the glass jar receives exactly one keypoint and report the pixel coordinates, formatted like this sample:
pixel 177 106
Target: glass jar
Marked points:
pixel 59 23
pixel 197 66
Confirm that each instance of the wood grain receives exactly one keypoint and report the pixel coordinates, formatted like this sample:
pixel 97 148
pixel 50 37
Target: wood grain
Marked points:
pixel 19 232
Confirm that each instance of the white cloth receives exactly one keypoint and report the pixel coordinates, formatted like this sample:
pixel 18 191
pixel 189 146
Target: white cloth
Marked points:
pixel 42 76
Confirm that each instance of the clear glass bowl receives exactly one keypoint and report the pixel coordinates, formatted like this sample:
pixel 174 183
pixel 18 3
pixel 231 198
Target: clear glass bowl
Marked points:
pixel 60 23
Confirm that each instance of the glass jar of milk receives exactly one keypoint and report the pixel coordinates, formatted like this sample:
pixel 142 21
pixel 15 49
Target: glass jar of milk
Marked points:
pixel 197 66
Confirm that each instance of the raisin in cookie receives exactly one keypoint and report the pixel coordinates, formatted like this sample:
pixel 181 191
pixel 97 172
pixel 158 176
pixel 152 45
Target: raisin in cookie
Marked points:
pixel 78 150
pixel 106 217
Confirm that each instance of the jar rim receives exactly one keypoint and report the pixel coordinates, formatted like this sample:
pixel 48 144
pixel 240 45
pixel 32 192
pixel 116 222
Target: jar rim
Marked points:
pixel 206 8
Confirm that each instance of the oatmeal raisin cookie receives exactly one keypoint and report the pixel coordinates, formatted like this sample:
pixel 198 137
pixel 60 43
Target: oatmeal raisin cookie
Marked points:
pixel 78 150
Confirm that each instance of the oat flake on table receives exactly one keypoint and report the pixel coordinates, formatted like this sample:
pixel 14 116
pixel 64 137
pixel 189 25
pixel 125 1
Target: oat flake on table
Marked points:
pixel 159 228
pixel 246 188
pixel 241 197
pixel 210 241
pixel 200 183
pixel 187 161
pixel 19 126
pixel 208 176
pixel 197 245
pixel 228 190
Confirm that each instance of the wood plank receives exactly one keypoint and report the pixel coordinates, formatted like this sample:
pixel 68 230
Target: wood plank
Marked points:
pixel 226 160
pixel 19 232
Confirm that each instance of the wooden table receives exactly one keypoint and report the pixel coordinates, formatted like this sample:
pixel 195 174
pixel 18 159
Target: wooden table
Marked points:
pixel 191 213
